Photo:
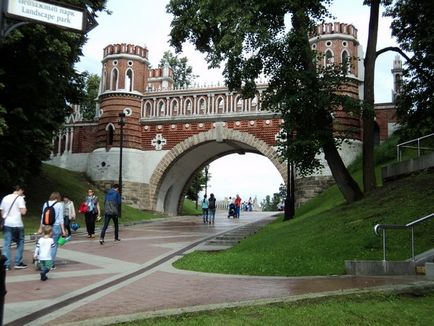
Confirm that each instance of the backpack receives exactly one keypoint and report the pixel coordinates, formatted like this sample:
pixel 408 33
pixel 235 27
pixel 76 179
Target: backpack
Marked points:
pixel 211 203
pixel 111 207
pixel 49 214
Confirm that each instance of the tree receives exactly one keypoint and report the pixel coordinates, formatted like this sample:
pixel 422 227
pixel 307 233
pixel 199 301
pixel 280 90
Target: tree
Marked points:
pixel 182 72
pixel 198 183
pixel 413 26
pixel 39 81
pixel 88 104
pixel 368 113
pixel 251 39
pixel 271 204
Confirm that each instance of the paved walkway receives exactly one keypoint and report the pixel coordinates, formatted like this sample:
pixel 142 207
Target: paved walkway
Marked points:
pixel 101 284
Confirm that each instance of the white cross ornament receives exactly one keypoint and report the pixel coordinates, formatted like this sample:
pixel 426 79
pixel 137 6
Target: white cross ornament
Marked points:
pixel 158 142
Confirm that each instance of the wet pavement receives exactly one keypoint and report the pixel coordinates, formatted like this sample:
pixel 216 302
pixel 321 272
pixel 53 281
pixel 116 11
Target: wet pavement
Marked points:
pixel 97 284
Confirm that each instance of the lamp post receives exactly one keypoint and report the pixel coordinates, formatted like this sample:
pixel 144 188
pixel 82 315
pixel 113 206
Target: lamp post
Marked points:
pixel 290 198
pixel 121 124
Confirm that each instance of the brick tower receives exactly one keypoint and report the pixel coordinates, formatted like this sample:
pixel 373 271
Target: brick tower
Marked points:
pixel 338 43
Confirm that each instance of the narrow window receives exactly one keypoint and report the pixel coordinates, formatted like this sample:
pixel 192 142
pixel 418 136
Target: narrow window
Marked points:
pixel 345 62
pixel 129 80
pixel 329 58
pixel 114 80
pixel 110 133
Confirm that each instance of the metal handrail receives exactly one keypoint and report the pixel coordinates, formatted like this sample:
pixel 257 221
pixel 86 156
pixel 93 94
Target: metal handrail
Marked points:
pixel 418 147
pixel 411 225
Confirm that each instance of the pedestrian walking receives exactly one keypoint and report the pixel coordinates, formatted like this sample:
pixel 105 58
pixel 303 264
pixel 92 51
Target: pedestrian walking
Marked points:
pixel 68 213
pixel 112 203
pixel 92 213
pixel 237 203
pixel 13 207
pixel 205 209
pixel 44 250
pixel 211 208
pixel 57 226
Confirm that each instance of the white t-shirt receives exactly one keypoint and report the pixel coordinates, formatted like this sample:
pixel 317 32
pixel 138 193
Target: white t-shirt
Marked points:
pixel 13 219
pixel 44 248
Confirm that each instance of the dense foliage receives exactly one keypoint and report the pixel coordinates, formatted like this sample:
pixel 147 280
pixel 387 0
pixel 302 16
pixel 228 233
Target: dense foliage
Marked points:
pixel 413 26
pixel 252 39
pixel 38 82
pixel 182 72
pixel 91 88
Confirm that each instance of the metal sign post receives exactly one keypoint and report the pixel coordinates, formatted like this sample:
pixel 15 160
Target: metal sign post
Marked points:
pixel 15 13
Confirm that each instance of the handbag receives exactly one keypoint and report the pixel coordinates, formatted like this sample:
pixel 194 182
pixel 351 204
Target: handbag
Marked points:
pixel 83 208
pixel 2 220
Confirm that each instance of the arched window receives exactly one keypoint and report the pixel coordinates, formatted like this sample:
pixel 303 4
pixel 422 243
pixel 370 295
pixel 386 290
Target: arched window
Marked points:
pixel 202 106
pixel 56 147
pixel 220 105
pixel 345 61
pixel 148 110
pixel 175 108
pixel 110 131
pixel 329 60
pixel 129 80
pixel 189 107
pixel 114 80
pixel 105 81
pixel 161 109
pixel 63 144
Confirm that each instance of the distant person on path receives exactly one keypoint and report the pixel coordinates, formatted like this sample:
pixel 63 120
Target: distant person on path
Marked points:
pixel 205 209
pixel 13 207
pixel 68 213
pixel 211 208
pixel 237 203
pixel 112 202
pixel 93 211
pixel 58 228
pixel 44 250
pixel 249 204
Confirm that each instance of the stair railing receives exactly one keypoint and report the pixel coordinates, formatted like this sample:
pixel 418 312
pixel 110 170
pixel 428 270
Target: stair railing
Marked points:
pixel 415 144
pixel 410 225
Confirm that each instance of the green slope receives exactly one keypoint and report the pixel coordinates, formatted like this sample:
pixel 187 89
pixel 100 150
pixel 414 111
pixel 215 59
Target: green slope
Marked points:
pixel 73 184
pixel 326 231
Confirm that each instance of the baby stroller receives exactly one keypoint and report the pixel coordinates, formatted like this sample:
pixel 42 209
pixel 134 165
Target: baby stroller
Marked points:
pixel 231 211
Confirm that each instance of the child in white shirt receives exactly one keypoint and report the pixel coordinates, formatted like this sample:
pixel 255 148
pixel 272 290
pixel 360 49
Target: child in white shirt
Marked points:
pixel 43 252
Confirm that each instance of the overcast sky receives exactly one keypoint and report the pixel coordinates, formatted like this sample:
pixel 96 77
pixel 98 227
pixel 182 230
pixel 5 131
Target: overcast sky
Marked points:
pixel 145 22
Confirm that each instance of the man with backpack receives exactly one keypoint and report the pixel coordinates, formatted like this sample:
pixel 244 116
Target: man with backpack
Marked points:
pixel 52 215
pixel 112 203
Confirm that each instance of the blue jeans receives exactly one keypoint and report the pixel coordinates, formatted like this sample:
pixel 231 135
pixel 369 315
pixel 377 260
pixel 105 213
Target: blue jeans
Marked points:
pixel 13 234
pixel 57 231
pixel 205 214
pixel 107 219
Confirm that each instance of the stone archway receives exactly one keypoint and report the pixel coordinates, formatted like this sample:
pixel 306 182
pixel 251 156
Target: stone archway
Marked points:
pixel 167 183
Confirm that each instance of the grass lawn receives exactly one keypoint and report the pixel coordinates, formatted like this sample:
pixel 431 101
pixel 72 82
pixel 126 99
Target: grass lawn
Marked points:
pixel 75 185
pixel 326 231
pixel 365 309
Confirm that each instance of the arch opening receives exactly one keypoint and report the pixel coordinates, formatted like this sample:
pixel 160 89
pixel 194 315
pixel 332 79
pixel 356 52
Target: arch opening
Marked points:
pixel 173 183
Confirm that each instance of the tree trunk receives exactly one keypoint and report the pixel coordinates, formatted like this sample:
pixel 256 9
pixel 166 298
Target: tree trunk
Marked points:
pixel 369 180
pixel 346 184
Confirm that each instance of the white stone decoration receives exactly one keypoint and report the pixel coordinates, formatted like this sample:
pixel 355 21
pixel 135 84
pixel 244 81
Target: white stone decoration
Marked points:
pixel 158 142
pixel 146 127
pixel 187 125
pixel 237 123
pixel 200 125
pixel 267 122
pixel 173 126
pixel 159 127
pixel 252 123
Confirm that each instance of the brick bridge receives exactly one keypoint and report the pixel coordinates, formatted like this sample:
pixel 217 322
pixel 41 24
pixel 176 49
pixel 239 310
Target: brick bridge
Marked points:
pixel 172 133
